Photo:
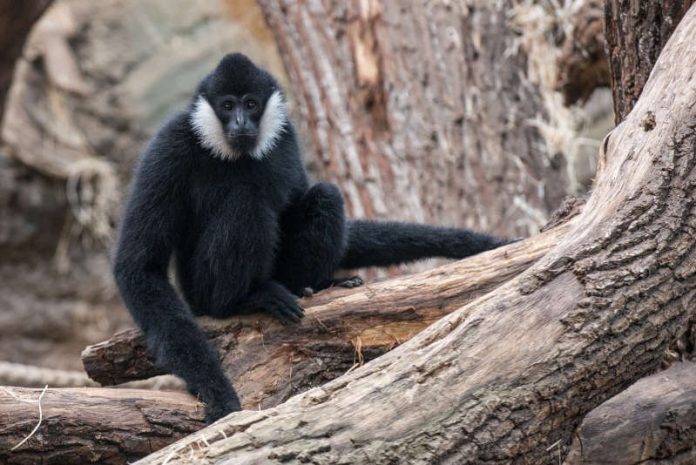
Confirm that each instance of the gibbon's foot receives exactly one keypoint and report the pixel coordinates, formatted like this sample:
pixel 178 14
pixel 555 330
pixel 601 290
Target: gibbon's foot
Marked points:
pixel 307 292
pixel 349 283
pixel 284 310
pixel 510 241
pixel 217 410
pixel 275 299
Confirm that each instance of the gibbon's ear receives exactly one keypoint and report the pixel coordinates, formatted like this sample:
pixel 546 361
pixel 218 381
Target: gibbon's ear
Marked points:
pixel 272 125
pixel 202 89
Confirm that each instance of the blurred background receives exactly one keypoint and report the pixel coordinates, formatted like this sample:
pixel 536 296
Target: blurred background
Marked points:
pixel 474 113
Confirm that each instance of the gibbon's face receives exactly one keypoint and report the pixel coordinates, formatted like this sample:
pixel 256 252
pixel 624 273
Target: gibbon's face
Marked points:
pixel 239 110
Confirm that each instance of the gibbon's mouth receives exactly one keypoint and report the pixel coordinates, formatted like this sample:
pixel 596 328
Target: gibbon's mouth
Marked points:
pixel 242 141
pixel 242 136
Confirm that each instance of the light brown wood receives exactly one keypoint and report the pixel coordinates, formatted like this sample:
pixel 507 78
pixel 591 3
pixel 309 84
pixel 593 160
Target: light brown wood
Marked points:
pixel 652 422
pixel 506 378
pixel 91 425
pixel 269 362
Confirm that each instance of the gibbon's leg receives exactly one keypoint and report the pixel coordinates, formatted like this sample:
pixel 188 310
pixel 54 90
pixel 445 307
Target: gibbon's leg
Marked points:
pixel 312 242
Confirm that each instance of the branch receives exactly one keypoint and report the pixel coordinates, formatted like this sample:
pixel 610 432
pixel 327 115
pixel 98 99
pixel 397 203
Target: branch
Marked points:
pixel 92 425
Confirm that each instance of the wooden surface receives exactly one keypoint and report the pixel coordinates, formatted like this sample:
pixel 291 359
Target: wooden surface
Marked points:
pixel 652 422
pixel 91 425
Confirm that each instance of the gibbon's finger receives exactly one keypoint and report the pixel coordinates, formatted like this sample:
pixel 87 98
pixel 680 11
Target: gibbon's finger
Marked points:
pixel 284 314
pixel 294 311
pixel 349 283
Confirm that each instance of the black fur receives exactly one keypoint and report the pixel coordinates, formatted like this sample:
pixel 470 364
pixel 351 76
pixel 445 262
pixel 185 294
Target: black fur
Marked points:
pixel 243 232
pixel 372 243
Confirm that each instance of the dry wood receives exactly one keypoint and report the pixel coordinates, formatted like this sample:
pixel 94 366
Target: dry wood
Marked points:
pixel 92 425
pixel 270 362
pixel 502 379
pixel 652 422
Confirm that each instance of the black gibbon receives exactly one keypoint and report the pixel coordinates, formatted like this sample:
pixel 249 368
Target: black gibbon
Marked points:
pixel 222 190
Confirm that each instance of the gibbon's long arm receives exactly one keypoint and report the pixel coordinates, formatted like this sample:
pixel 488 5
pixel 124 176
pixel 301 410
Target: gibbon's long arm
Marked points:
pixel 376 243
pixel 150 227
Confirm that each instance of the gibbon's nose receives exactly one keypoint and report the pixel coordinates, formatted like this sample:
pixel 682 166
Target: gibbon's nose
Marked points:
pixel 239 125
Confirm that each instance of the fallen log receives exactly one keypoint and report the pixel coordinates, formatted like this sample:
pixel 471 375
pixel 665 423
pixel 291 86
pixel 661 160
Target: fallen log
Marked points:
pixel 92 425
pixel 652 422
pixel 269 362
pixel 507 378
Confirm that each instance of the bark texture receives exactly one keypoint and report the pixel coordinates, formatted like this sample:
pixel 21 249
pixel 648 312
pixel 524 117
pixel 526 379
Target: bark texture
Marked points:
pixel 16 20
pixel 585 322
pixel 652 422
pixel 91 425
pixel 429 111
pixel 342 329
pixel 636 32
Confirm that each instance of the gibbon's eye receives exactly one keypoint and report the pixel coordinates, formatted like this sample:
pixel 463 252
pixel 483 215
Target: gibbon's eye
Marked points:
pixel 251 104
pixel 227 105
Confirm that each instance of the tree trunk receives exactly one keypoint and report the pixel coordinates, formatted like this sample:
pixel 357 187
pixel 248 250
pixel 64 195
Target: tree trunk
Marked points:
pixel 387 93
pixel 269 362
pixel 507 378
pixel 91 425
pixel 16 20
pixel 636 32
pixel 652 422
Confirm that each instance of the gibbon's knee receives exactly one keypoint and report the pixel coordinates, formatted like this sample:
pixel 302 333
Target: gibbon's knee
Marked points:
pixel 323 200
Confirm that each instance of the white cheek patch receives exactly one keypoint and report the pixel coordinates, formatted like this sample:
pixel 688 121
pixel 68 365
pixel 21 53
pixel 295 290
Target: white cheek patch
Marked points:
pixel 209 130
pixel 272 125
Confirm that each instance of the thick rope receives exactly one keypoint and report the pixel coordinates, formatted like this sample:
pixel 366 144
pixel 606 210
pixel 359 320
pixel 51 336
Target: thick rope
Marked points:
pixel 17 374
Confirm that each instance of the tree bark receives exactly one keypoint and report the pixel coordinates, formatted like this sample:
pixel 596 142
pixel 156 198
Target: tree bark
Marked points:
pixel 269 362
pixel 91 425
pixel 16 20
pixel 636 32
pixel 652 422
pixel 509 375
pixel 386 93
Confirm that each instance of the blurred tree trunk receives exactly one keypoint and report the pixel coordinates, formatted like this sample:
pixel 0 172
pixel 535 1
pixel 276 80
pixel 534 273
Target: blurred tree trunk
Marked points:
pixel 16 20
pixel 429 111
pixel 636 33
